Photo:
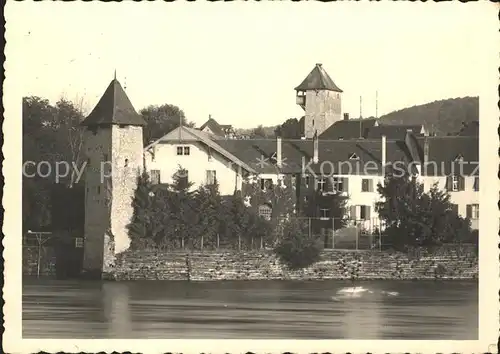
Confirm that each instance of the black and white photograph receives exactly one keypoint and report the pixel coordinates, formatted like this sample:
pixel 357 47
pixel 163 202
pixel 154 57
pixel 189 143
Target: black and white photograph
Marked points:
pixel 262 176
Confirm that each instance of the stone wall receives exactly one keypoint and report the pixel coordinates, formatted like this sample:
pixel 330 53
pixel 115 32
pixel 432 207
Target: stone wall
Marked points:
pixel 443 263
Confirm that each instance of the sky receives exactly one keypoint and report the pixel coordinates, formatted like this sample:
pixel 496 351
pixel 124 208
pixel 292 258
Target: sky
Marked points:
pixel 240 62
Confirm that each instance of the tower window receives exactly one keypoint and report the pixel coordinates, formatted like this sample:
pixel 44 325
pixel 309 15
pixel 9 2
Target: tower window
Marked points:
pixel 186 150
pixel 126 162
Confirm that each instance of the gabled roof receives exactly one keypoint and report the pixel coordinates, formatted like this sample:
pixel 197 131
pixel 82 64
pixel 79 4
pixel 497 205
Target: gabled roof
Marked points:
pixel 393 131
pixel 191 134
pixel 318 79
pixel 214 127
pixel 443 150
pixel 296 154
pixel 348 129
pixel 114 107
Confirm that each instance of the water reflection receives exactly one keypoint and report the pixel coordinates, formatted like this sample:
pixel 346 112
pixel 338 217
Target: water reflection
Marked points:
pixel 253 309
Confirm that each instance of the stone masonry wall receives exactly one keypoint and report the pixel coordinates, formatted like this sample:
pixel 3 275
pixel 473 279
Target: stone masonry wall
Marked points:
pixel 444 263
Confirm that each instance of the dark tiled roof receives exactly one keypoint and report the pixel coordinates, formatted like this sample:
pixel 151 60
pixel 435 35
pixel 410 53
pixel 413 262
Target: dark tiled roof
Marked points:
pixel 114 107
pixel 214 127
pixel 297 153
pixel 443 150
pixel 393 131
pixel 318 79
pixel 348 129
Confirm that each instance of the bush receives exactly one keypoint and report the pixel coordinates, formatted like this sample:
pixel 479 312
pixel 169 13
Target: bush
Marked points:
pixel 296 250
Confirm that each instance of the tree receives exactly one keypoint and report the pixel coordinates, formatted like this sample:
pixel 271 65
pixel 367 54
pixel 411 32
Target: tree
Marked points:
pixel 416 218
pixel 50 134
pixel 140 230
pixel 290 129
pixel 209 209
pixel 161 119
pixel 258 132
pixel 296 249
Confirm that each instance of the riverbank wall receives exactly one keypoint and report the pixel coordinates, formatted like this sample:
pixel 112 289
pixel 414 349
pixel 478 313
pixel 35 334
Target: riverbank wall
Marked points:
pixel 457 262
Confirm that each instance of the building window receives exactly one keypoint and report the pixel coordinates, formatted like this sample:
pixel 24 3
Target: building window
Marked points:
pixel 266 183
pixel 366 185
pixel 184 179
pixel 364 212
pixel 476 184
pixel 307 180
pixel 321 184
pixel 105 157
pixel 155 176
pixel 265 212
pixel 454 208
pixel 306 199
pixel 126 162
pixel 337 184
pixel 211 177
pixel 473 211
pixel 454 183
pixel 183 150
pixel 324 213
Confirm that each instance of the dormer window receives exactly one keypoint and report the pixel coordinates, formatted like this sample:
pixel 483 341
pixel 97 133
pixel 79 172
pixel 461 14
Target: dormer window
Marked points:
pixel 353 156
pixel 459 158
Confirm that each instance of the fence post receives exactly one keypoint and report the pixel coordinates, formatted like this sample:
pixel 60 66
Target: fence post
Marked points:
pixel 202 242
pixel 217 240
pixel 357 235
pixel 333 233
pixel 39 260
pixel 309 227
pixel 261 244
pixel 239 242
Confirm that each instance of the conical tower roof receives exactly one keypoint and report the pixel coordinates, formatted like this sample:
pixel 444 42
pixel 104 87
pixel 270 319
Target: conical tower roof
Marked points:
pixel 318 79
pixel 114 107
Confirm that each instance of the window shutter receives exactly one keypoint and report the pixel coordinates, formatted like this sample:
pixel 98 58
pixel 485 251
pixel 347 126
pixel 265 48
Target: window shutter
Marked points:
pixel 449 183
pixel 370 185
pixel 476 184
pixel 469 211
pixel 454 208
pixel 461 183
pixel 329 184
pixel 353 212
pixel 368 212
pixel 345 183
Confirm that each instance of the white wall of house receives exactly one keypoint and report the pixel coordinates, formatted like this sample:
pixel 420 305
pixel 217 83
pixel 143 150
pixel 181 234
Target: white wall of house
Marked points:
pixel 197 163
pixel 462 198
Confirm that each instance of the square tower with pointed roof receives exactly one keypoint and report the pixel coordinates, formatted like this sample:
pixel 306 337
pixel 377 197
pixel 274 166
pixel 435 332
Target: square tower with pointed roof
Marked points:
pixel 113 148
pixel 321 100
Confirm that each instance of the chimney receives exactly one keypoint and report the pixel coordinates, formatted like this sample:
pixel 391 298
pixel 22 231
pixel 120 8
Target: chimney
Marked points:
pixel 426 150
pixel 316 148
pixel 346 116
pixel 278 151
pixel 384 154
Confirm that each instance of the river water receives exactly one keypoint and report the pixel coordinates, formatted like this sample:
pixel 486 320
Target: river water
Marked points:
pixel 251 309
